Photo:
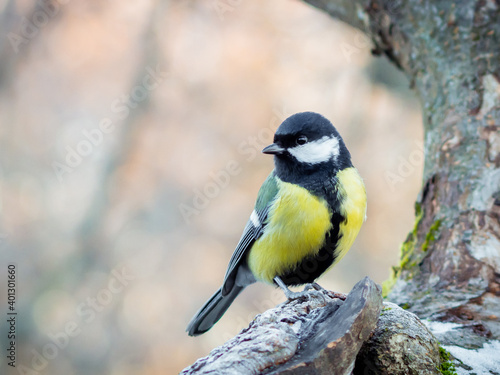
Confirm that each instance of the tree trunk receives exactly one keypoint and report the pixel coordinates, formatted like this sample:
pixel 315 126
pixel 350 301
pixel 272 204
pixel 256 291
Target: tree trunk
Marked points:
pixel 450 51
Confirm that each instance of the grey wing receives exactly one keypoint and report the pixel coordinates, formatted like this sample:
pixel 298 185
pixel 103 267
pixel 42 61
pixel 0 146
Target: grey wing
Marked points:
pixel 252 232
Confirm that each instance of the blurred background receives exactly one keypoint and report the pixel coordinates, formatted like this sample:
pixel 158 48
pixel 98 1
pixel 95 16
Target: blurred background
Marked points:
pixel 130 138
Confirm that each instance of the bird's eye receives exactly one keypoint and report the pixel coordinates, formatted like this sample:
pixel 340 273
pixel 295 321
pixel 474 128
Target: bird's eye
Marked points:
pixel 301 140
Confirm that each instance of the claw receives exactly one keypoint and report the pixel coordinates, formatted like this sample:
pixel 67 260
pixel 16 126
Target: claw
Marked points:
pixel 306 294
pixel 331 294
pixel 315 286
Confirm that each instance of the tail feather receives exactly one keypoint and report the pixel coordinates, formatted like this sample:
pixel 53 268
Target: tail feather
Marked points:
pixel 212 311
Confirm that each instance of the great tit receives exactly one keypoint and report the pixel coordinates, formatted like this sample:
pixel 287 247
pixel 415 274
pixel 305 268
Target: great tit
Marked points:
pixel 308 212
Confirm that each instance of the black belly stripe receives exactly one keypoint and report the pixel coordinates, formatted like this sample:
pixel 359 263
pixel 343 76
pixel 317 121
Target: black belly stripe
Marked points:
pixel 310 268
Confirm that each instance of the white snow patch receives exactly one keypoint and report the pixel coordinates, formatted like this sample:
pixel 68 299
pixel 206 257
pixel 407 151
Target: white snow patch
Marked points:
pixel 485 360
pixel 439 328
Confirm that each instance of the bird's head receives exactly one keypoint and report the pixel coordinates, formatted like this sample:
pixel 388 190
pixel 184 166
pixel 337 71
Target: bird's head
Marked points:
pixel 307 143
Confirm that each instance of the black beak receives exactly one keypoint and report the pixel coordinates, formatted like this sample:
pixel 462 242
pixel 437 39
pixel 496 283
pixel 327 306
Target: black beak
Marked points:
pixel 273 149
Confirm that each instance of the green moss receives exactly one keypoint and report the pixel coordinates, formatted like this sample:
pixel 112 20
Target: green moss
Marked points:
pixel 410 260
pixel 406 251
pixel 447 367
pixel 431 235
pixel 385 309
pixel 405 306
pixel 418 209
pixel 388 284
pixel 408 247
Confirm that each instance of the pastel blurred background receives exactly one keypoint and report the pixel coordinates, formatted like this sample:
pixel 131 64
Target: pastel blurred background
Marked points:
pixel 130 138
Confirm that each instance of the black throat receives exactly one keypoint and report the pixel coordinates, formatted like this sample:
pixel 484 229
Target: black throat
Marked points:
pixel 317 178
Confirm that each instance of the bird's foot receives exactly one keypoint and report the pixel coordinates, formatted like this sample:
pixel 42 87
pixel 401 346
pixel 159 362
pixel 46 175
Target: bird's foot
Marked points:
pixel 315 286
pixel 331 294
pixel 307 293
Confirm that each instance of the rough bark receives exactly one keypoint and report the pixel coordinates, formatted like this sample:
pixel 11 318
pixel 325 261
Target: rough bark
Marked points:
pixel 324 335
pixel 317 335
pixel 400 344
pixel 450 52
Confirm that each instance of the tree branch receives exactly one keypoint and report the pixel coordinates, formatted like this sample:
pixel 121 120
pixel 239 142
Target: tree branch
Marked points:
pixel 290 338
pixel 325 335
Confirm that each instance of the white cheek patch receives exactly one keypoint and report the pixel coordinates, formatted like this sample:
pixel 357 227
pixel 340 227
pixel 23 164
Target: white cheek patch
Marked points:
pixel 316 152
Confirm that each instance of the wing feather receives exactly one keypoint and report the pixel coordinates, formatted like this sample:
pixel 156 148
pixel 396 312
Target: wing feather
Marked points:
pixel 253 230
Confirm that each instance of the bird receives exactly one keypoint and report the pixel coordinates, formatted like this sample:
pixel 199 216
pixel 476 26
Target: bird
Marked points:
pixel 307 215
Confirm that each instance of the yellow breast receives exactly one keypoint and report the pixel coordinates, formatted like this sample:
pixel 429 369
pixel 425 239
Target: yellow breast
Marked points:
pixel 298 222
pixel 352 193
pixel 296 228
